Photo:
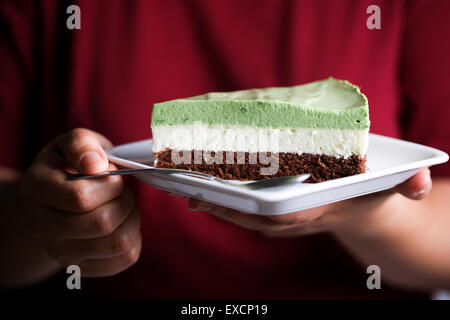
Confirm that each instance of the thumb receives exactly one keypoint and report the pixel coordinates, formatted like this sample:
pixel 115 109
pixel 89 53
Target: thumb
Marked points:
pixel 416 187
pixel 83 150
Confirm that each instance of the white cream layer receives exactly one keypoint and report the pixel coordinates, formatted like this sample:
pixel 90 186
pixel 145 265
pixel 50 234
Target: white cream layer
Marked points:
pixel 333 142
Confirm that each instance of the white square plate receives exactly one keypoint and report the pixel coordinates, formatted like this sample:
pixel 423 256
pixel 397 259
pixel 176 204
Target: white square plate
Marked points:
pixel 389 161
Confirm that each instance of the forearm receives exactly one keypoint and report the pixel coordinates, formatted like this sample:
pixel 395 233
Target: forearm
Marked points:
pixel 23 259
pixel 411 244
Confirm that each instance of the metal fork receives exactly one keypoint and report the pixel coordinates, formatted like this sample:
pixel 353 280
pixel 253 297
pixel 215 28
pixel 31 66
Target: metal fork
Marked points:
pixel 259 184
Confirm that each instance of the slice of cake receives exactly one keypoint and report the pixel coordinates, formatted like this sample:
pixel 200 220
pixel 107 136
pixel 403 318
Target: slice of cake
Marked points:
pixel 319 128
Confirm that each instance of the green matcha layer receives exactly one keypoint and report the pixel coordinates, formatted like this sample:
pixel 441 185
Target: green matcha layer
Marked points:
pixel 325 104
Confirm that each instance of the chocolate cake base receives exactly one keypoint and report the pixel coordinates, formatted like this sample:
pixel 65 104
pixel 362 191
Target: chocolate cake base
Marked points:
pixel 247 166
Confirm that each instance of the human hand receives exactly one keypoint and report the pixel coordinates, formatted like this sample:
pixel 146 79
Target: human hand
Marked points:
pixel 360 213
pixel 91 223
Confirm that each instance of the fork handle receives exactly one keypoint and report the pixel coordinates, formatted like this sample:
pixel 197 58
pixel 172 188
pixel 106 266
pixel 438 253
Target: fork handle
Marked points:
pixel 121 172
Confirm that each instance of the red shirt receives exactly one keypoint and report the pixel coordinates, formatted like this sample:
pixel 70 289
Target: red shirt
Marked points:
pixel 131 54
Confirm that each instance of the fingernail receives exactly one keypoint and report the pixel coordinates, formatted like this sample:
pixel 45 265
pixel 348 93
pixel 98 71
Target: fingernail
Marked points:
pixel 418 193
pixel 92 162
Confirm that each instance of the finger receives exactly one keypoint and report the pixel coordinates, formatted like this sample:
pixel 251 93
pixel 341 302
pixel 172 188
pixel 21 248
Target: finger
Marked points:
pixel 300 217
pixel 110 266
pixel 294 218
pixel 295 231
pixel 416 187
pixel 83 149
pixel 120 241
pixel 198 205
pixel 47 186
pixel 100 222
pixel 248 221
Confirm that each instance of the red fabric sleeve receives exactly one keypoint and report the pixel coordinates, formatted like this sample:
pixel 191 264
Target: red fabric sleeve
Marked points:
pixel 425 76
pixel 16 57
